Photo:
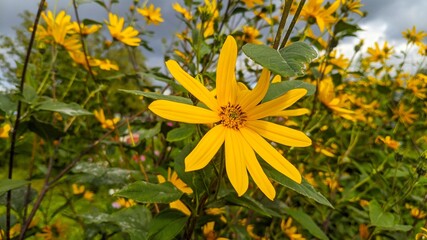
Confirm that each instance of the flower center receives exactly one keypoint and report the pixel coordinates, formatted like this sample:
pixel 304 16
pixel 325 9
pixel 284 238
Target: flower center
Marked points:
pixel 232 116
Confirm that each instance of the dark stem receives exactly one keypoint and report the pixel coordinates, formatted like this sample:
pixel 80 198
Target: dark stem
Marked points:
pixel 282 23
pixel 18 116
pixel 293 22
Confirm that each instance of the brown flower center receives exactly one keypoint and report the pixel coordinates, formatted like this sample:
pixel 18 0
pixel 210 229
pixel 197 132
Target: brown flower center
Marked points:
pixel 232 116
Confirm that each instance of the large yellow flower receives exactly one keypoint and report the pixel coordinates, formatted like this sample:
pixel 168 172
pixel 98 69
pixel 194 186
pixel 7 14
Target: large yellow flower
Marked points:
pixel 235 114
pixel 127 36
pixel 314 12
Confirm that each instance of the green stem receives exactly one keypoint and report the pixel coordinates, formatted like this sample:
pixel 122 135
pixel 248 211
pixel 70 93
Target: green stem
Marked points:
pixel 18 116
pixel 282 23
pixel 294 21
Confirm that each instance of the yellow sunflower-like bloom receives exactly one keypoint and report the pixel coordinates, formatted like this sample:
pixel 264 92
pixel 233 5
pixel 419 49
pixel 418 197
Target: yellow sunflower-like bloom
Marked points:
pixel 406 116
pixel 380 55
pixel 235 115
pixel 290 230
pixel 127 36
pixel 336 104
pixel 412 36
pixel 85 29
pixel 4 130
pixel 105 123
pixel 251 35
pixel 184 12
pixel 152 15
pixel 314 12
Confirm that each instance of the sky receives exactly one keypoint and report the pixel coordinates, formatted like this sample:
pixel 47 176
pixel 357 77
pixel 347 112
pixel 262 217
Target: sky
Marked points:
pixel 386 20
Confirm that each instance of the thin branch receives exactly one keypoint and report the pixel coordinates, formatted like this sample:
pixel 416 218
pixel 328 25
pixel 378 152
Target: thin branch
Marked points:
pixel 282 23
pixel 291 26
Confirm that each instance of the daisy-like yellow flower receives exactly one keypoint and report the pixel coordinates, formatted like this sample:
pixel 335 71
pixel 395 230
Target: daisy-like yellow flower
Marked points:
pixel 289 230
pixel 336 104
pixel 353 6
pixel 85 29
pixel 152 15
pixel 251 35
pixel 388 141
pixel 406 116
pixel 123 202
pixel 235 115
pixel 412 36
pixel 184 12
pixel 178 183
pixel 209 232
pixel 4 130
pixel 421 235
pixel 77 190
pixel 105 123
pixel 314 13
pixel 380 55
pixel 127 36
pixel 107 65
pixel 252 3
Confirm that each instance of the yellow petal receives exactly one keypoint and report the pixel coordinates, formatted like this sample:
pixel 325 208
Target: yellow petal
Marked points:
pixel 293 112
pixel 271 108
pixel 180 206
pixel 250 100
pixel 235 161
pixel 206 149
pixel 280 134
pixel 255 170
pixel 270 155
pixel 181 112
pixel 192 85
pixel 225 76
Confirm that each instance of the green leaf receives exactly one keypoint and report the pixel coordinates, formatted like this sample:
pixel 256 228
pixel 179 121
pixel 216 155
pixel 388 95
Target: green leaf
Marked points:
pixel 6 104
pixel 9 184
pixel 181 133
pixel 307 222
pixel 268 58
pixel 278 89
pixel 19 196
pixel 298 55
pixel 158 96
pixel 146 192
pixel 167 224
pixel 29 94
pixel 250 203
pixel 401 228
pixel 378 217
pixel 70 109
pixel 45 130
pixel 134 221
pixel 304 188
pixel 151 132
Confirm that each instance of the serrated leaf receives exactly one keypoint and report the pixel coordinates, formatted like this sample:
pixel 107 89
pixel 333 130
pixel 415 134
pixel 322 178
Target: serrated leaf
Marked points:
pixel 146 192
pixel 378 217
pixel 298 55
pixel 307 222
pixel 167 224
pixel 304 188
pixel 70 109
pixel 278 89
pixel 9 184
pixel 268 58
pixel 250 203
pixel 181 133
pixel 158 96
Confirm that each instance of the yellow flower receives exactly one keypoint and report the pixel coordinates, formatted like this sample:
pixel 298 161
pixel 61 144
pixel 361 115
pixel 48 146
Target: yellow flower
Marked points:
pixel 289 230
pixel 250 35
pixel 209 232
pixel 380 55
pixel 209 13
pixel 235 115
pixel 79 58
pixel 56 231
pixel 4 130
pixel 327 97
pixel 217 211
pixel 314 12
pixel 107 65
pixel 106 123
pixel 127 36
pixel 185 13
pixel 412 36
pixel 86 30
pixel 403 115
pixel 13 232
pixel 388 141
pixel 421 235
pixel 251 3
pixel 152 15
pixel 178 183
pixel 353 6
pixel 77 190
pixel 122 202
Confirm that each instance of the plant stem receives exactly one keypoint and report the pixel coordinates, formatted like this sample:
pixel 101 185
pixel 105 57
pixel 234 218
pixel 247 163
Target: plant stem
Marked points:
pixel 282 23
pixel 294 21
pixel 18 116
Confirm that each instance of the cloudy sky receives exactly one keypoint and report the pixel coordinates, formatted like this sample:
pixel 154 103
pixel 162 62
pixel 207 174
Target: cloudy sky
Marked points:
pixel 385 21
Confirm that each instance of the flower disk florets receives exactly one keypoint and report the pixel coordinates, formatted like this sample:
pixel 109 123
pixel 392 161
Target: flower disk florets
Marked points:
pixel 232 116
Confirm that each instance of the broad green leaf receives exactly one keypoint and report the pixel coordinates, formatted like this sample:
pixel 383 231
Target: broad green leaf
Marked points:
pixel 70 109
pixel 304 188
pixel 134 221
pixel 99 174
pixel 181 133
pixel 9 184
pixel 167 224
pixel 268 58
pixel 146 192
pixel 158 96
pixel 278 89
pixel 151 132
pixel 307 222
pixel 6 104
pixel 250 203
pixel 401 228
pixel 45 130
pixel 378 217
pixel 19 196
pixel 29 94
pixel 298 55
